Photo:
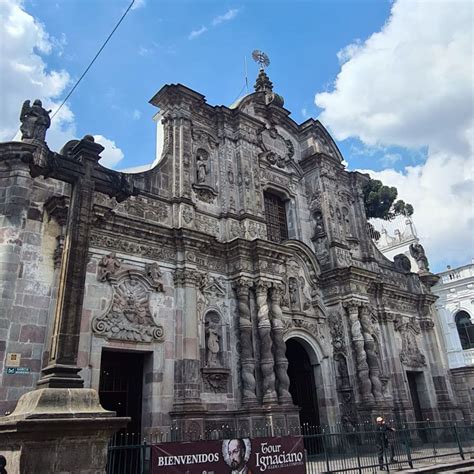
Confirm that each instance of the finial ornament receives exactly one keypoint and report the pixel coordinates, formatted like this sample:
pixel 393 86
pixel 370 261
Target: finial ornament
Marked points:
pixel 261 58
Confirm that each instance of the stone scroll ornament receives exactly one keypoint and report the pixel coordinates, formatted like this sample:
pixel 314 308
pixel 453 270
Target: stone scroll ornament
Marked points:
pixel 264 332
pixel 247 361
pixel 279 347
pixel 128 317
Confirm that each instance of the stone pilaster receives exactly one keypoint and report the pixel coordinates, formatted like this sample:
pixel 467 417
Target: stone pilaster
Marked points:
pixel 247 361
pixel 187 364
pixel 264 332
pixel 365 384
pixel 279 347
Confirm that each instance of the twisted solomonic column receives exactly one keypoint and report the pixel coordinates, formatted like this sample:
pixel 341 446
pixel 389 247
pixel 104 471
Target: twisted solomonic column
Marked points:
pixel 372 359
pixel 266 356
pixel 247 361
pixel 365 383
pixel 279 347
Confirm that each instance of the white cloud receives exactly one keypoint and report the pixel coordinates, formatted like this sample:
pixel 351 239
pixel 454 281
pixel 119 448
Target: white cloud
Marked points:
pixel 112 154
pixel 195 33
pixel 138 4
pixel 304 112
pixel 410 85
pixel 136 115
pixel 229 15
pixel 24 74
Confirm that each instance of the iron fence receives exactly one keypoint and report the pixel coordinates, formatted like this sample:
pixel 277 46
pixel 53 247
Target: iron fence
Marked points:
pixel 329 449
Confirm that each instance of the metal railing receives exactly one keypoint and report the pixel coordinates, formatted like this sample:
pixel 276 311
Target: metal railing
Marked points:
pixel 329 449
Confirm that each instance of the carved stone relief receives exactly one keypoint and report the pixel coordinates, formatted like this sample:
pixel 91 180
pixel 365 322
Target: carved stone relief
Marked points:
pixel 120 244
pixel 410 354
pixel 128 317
pixel 277 150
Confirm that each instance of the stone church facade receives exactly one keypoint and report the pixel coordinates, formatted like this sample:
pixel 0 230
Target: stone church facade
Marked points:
pixel 239 288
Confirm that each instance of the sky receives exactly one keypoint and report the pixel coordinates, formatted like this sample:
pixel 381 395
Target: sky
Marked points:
pixel 390 80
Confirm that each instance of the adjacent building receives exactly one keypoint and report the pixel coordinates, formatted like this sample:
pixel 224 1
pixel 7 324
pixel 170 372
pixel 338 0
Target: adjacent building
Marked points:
pixel 455 307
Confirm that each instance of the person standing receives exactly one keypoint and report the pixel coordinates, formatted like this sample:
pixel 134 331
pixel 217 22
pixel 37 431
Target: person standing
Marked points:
pixel 383 442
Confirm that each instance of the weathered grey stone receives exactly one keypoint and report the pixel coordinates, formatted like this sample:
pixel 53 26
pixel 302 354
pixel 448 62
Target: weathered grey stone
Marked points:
pixel 200 259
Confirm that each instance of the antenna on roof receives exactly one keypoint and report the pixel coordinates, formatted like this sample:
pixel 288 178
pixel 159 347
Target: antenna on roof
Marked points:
pixel 246 78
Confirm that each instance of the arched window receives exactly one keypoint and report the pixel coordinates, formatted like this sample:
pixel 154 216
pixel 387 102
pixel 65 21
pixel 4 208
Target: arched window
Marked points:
pixel 465 329
pixel 275 213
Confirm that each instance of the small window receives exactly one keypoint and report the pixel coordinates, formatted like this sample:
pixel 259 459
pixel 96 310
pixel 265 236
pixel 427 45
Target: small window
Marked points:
pixel 277 229
pixel 465 329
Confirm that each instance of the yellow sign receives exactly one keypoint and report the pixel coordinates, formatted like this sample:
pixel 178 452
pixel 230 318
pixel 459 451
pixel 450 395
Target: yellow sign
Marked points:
pixel 13 359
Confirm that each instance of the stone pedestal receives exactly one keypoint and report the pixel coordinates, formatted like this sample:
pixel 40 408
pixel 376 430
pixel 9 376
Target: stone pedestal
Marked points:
pixel 58 431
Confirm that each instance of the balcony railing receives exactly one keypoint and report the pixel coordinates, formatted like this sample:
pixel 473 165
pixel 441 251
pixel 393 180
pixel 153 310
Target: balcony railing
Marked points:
pixel 468 357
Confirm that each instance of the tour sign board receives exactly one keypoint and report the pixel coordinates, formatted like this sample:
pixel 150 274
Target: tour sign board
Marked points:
pixel 283 455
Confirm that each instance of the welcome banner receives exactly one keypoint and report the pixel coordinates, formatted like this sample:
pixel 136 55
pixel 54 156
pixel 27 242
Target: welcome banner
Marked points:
pixel 283 455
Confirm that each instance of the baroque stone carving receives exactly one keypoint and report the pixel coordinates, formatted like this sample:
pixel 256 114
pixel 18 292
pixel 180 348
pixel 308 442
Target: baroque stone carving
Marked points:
pixel 264 332
pixel 371 353
pixel 108 266
pixel 207 224
pixel 337 333
pixel 128 317
pixel 133 248
pixel 58 251
pixel 202 164
pixel 215 379
pixel 357 337
pixel 402 262
pixel 281 362
pixel 35 120
pixel 277 150
pixel 247 361
pixel 153 272
pixel 418 253
pixel 410 354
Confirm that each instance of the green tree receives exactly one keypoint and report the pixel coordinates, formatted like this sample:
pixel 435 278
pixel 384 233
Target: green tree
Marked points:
pixel 379 201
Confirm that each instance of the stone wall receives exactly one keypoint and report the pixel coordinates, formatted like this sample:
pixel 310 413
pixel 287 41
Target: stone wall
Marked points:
pixel 185 273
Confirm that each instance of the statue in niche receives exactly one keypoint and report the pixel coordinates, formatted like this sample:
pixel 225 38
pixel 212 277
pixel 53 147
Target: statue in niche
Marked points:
pixel 293 291
pixel 418 253
pixel 202 166
pixel 35 120
pixel 319 226
pixel 346 221
pixel 213 348
pixel 342 371
pixel 108 266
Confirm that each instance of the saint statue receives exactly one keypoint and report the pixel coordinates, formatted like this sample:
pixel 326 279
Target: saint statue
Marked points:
pixel 201 166
pixel 212 347
pixel 293 291
pixel 34 120
pixel 418 253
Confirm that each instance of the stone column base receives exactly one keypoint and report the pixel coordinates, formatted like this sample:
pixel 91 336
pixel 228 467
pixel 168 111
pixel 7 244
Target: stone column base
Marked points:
pixel 56 431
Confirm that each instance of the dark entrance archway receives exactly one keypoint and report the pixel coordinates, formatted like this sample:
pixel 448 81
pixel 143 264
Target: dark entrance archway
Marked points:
pixel 120 387
pixel 302 382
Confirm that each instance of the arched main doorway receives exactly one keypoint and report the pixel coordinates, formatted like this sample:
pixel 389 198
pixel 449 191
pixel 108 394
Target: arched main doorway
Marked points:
pixel 302 382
